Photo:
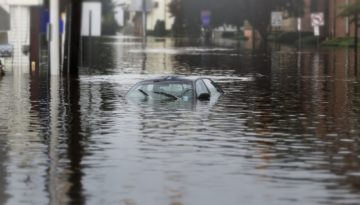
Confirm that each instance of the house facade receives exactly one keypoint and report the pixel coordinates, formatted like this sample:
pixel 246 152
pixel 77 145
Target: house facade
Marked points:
pixel 18 33
pixel 157 15
pixel 335 25
pixel 160 12
pixel 339 26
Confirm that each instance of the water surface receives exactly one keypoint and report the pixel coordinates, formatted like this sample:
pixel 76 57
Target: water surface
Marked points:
pixel 286 131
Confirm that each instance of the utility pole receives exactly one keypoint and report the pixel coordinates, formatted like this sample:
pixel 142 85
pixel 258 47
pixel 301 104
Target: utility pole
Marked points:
pixel 347 21
pixel 72 39
pixel 356 42
pixel 54 38
pixel 144 18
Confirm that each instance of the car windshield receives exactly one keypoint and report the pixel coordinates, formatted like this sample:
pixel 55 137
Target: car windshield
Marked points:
pixel 164 90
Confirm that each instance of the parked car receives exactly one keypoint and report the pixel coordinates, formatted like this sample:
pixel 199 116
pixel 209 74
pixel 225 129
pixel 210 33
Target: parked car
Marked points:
pixel 175 88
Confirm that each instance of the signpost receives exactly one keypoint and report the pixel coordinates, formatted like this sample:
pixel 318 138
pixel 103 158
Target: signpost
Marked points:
pixel 317 20
pixel 276 19
pixel 299 24
pixel 140 5
pixel 276 23
pixel 205 18
pixel 299 28
pixel 143 6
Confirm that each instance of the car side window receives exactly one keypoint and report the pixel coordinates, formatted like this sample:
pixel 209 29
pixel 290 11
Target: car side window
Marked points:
pixel 200 87
pixel 210 85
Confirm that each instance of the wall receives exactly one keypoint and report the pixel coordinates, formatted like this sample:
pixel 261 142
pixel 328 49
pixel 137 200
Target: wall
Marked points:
pixel 22 2
pixel 290 24
pixel 19 35
pixel 339 26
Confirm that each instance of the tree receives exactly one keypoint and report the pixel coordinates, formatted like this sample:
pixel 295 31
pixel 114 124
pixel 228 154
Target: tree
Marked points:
pixel 177 11
pixel 352 10
pixel 187 14
pixel 232 12
pixel 259 12
pixel 109 24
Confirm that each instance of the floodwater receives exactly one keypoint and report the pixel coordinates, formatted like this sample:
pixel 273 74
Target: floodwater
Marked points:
pixel 287 131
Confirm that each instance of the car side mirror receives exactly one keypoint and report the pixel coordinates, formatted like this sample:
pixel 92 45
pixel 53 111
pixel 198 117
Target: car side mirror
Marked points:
pixel 204 96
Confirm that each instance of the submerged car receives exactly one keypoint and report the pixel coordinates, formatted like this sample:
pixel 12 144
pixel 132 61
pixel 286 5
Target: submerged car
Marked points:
pixel 175 88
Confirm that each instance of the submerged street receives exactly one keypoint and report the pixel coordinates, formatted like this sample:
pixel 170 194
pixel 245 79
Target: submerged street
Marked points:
pixel 285 132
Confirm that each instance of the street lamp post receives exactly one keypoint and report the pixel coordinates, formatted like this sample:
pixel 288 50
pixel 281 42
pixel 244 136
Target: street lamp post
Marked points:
pixel 54 38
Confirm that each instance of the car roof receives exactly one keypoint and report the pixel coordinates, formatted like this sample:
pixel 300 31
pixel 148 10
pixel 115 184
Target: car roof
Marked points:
pixel 174 78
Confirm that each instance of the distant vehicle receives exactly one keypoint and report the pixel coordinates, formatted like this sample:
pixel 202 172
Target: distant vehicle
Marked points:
pixel 175 88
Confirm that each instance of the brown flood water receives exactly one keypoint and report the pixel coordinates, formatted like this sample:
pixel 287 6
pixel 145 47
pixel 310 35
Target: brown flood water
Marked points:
pixel 287 131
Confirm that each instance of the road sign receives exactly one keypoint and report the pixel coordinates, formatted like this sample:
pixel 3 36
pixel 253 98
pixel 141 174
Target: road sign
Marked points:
pixel 137 5
pixel 317 19
pixel 276 18
pixel 205 18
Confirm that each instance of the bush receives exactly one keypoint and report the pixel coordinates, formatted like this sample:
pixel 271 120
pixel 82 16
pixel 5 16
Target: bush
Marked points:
pixel 159 29
pixel 340 42
pixel 292 38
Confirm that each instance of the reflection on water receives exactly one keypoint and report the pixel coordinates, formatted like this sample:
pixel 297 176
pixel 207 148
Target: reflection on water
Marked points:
pixel 286 131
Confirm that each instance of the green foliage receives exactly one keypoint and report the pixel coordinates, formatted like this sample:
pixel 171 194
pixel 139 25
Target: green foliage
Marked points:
pixel 258 12
pixel 159 29
pixel 292 38
pixel 339 42
pixel 231 12
pixel 177 11
pixel 350 10
pixel 109 24
pixel 187 14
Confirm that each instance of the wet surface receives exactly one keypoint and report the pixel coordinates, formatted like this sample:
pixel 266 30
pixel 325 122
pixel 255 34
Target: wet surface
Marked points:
pixel 286 131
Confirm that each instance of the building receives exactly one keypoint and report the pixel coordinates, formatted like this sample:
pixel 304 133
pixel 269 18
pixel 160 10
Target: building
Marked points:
pixel 158 16
pixel 160 13
pixel 339 26
pixel 18 34
pixel 335 26
pixel 4 24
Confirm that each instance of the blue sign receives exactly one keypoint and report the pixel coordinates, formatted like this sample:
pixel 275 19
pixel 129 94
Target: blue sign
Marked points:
pixel 45 19
pixel 205 18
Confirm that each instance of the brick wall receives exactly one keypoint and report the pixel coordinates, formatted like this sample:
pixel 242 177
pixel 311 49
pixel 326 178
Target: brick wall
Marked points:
pixel 19 34
pixel 339 26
